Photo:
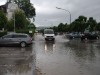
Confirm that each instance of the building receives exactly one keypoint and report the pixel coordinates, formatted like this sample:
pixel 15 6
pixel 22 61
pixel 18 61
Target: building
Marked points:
pixel 9 8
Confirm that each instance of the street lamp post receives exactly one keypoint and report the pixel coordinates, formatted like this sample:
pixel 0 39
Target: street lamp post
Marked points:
pixel 13 8
pixel 49 21
pixel 66 10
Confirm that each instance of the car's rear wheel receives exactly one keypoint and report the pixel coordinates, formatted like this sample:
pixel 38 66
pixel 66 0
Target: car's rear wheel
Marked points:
pixel 53 39
pixel 22 44
pixel 97 37
pixel 85 38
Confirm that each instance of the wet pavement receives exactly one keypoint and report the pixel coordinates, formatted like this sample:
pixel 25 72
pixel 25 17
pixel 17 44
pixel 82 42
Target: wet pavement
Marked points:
pixel 62 57
pixel 17 61
pixel 67 57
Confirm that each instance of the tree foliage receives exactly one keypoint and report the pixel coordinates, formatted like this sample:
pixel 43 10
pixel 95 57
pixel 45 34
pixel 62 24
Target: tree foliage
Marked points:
pixel 10 25
pixel 33 26
pixel 98 26
pixel 79 24
pixel 55 28
pixel 20 20
pixel 61 27
pixel 92 23
pixel 3 19
pixel 27 7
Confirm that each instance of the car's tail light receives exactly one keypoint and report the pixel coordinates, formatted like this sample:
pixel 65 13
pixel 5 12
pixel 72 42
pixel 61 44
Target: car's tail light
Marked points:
pixel 83 34
pixel 30 39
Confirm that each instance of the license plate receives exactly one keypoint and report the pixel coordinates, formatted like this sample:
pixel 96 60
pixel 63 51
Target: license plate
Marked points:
pixel 50 39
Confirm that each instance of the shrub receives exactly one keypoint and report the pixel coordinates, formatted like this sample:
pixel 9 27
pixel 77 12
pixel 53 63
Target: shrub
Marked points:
pixel 26 31
pixel 3 33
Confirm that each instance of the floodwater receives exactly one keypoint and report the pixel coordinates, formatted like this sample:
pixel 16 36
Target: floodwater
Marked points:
pixel 67 57
pixel 61 57
pixel 17 61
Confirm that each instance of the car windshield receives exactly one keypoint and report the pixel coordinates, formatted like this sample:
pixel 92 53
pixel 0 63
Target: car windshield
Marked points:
pixel 48 32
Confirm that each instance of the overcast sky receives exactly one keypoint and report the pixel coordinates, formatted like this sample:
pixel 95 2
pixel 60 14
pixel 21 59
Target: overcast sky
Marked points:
pixel 48 15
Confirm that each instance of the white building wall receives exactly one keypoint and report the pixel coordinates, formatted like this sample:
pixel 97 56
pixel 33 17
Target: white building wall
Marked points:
pixel 10 9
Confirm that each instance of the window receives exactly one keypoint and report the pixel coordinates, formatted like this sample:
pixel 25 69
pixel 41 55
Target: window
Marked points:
pixel 16 36
pixel 48 32
pixel 23 36
pixel 7 36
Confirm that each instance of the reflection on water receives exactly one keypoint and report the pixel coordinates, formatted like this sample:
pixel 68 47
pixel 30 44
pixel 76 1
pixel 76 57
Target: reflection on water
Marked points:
pixel 16 61
pixel 72 57
pixel 49 46
pixel 86 55
pixel 82 50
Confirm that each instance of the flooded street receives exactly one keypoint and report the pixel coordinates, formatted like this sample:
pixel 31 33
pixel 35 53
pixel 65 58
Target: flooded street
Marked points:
pixel 17 61
pixel 61 57
pixel 67 57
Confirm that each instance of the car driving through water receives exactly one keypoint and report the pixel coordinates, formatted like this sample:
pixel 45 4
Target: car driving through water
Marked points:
pixel 49 34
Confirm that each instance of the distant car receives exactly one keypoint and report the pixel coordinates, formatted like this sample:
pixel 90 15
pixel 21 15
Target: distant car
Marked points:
pixel 16 39
pixel 74 35
pixel 90 36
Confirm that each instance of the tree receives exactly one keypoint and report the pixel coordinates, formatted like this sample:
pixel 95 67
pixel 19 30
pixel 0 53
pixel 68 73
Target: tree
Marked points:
pixel 61 27
pixel 20 20
pixel 32 25
pixel 10 25
pixel 3 19
pixel 55 28
pixel 92 23
pixel 79 25
pixel 98 27
pixel 27 7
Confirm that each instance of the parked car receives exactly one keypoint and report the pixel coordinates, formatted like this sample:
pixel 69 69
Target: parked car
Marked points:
pixel 16 39
pixel 74 35
pixel 90 36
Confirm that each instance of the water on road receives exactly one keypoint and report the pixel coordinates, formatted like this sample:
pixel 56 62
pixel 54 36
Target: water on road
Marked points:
pixel 67 57
pixel 61 57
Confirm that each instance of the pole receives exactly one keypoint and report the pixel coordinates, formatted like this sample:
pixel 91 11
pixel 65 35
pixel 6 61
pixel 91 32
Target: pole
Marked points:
pixel 13 8
pixel 14 21
pixel 66 10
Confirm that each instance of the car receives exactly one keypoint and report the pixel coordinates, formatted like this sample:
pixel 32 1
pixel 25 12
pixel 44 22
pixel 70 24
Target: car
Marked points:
pixel 90 36
pixel 49 34
pixel 74 35
pixel 16 39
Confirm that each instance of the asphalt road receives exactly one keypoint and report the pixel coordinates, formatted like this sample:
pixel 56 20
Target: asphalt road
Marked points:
pixel 61 57
pixel 67 57
pixel 17 60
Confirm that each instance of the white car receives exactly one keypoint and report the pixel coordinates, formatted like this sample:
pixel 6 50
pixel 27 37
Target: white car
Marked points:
pixel 49 34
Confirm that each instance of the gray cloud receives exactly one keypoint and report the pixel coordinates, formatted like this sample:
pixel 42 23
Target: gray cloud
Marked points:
pixel 46 10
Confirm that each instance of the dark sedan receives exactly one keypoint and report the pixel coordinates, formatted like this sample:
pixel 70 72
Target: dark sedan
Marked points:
pixel 90 36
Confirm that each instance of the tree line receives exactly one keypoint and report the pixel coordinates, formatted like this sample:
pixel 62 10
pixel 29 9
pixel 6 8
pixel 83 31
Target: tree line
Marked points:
pixel 79 25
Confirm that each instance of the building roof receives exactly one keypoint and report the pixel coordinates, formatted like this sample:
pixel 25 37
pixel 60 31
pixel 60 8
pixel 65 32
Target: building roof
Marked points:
pixel 4 7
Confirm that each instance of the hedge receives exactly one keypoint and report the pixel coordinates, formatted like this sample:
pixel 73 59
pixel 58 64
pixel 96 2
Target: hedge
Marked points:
pixel 26 31
pixel 3 33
